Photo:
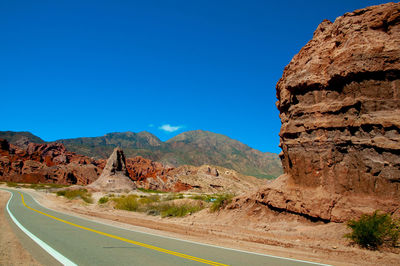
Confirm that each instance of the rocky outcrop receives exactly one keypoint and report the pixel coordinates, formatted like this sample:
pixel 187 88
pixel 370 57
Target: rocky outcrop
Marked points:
pixel 203 179
pixel 45 163
pixel 339 103
pixel 140 168
pixel 52 163
pixel 115 176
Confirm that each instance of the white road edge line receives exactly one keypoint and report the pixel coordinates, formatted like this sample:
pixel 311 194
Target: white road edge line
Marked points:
pixel 173 238
pixel 55 254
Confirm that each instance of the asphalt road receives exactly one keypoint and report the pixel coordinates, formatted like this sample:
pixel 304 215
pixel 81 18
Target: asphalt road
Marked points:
pixel 71 240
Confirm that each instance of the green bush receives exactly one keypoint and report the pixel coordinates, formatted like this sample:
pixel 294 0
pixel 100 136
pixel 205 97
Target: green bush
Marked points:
pixel 174 196
pixel 171 210
pixel 103 200
pixel 149 199
pixel 221 201
pixel 152 205
pixel 128 203
pixel 12 184
pixel 77 193
pixel 375 230
pixel 206 198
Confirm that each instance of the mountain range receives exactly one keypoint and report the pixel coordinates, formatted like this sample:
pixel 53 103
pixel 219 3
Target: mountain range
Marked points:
pixel 189 148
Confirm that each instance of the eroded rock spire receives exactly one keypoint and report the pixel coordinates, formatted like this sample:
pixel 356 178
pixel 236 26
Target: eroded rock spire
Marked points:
pixel 115 176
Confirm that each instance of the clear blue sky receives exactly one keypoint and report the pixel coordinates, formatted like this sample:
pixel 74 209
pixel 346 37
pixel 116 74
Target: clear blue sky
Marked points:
pixel 86 68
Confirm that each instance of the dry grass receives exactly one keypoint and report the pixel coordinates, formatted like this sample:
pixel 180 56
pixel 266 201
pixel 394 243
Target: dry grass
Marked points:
pixel 77 193
pixel 155 205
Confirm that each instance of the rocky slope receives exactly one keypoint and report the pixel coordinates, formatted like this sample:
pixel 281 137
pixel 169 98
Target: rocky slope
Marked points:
pixel 203 179
pixel 189 148
pixel 203 147
pixel 52 163
pixel 339 103
pixel 21 139
pixel 45 163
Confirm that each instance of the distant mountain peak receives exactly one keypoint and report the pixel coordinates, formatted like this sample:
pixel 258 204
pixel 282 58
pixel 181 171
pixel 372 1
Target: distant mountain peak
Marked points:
pixel 14 137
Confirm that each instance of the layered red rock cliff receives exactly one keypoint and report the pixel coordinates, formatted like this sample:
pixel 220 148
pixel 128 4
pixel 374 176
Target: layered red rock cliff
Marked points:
pixel 339 103
pixel 45 163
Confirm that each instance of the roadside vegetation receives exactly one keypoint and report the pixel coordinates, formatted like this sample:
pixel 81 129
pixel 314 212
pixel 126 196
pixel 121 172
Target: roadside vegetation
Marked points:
pixel 13 184
pixel 75 194
pixel 221 201
pixel 171 210
pixel 37 186
pixel 168 205
pixel 155 205
pixel 373 231
pixel 150 190
pixel 103 200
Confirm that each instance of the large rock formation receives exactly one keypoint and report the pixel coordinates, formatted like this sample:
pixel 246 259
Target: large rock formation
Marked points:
pixel 115 176
pixel 339 103
pixel 339 100
pixel 45 163
pixel 52 163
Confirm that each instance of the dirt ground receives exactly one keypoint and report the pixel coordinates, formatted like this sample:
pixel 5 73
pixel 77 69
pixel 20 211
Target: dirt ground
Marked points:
pixel 11 250
pixel 255 230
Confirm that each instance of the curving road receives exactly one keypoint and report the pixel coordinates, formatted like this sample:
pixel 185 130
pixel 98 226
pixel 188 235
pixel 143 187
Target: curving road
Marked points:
pixel 71 240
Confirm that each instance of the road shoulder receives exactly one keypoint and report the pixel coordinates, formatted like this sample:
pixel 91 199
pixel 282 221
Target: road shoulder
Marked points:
pixel 12 252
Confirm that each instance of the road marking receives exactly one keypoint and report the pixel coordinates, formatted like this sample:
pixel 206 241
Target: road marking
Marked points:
pixel 209 262
pixel 55 254
pixel 107 223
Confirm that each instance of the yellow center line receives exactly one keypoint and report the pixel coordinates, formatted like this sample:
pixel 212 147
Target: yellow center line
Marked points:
pixel 209 262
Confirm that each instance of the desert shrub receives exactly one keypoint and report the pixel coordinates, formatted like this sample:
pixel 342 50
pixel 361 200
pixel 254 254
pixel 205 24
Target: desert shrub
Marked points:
pixel 77 193
pixel 12 184
pixel 220 201
pixel 153 205
pixel 103 200
pixel 206 198
pixel 172 210
pixel 51 185
pixel 372 231
pixel 149 199
pixel 174 196
pixel 34 186
pixel 61 193
pixel 46 185
pixel 128 203
pixel 198 197
pixel 150 190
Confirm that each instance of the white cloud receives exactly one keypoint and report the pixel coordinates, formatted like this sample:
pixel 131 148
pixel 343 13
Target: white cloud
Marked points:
pixel 169 128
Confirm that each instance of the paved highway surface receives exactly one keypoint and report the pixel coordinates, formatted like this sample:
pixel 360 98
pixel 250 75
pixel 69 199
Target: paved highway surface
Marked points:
pixel 71 240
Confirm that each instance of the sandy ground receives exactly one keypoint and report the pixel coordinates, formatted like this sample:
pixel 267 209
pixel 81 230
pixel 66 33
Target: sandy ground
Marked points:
pixel 255 230
pixel 11 250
